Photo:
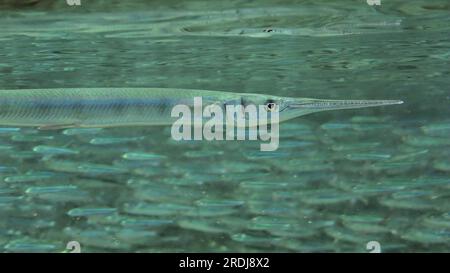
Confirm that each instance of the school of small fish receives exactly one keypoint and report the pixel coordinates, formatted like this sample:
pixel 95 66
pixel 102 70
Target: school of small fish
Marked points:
pixel 332 188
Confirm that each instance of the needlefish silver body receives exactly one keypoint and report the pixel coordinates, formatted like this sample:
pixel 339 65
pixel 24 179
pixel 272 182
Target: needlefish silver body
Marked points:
pixel 109 107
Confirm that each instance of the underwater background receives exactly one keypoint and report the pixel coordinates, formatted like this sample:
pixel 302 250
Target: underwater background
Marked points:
pixel 339 180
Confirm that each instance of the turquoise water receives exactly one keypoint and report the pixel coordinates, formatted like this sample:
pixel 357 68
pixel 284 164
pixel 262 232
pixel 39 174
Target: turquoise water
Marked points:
pixel 338 181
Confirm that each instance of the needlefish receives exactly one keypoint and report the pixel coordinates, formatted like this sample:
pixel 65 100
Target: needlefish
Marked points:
pixel 110 107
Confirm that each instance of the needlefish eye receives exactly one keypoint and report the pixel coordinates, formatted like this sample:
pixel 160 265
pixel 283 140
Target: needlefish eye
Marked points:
pixel 270 106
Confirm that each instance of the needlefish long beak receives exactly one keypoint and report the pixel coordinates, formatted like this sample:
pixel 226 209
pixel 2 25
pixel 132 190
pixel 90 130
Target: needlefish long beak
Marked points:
pixel 322 105
pixel 296 107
